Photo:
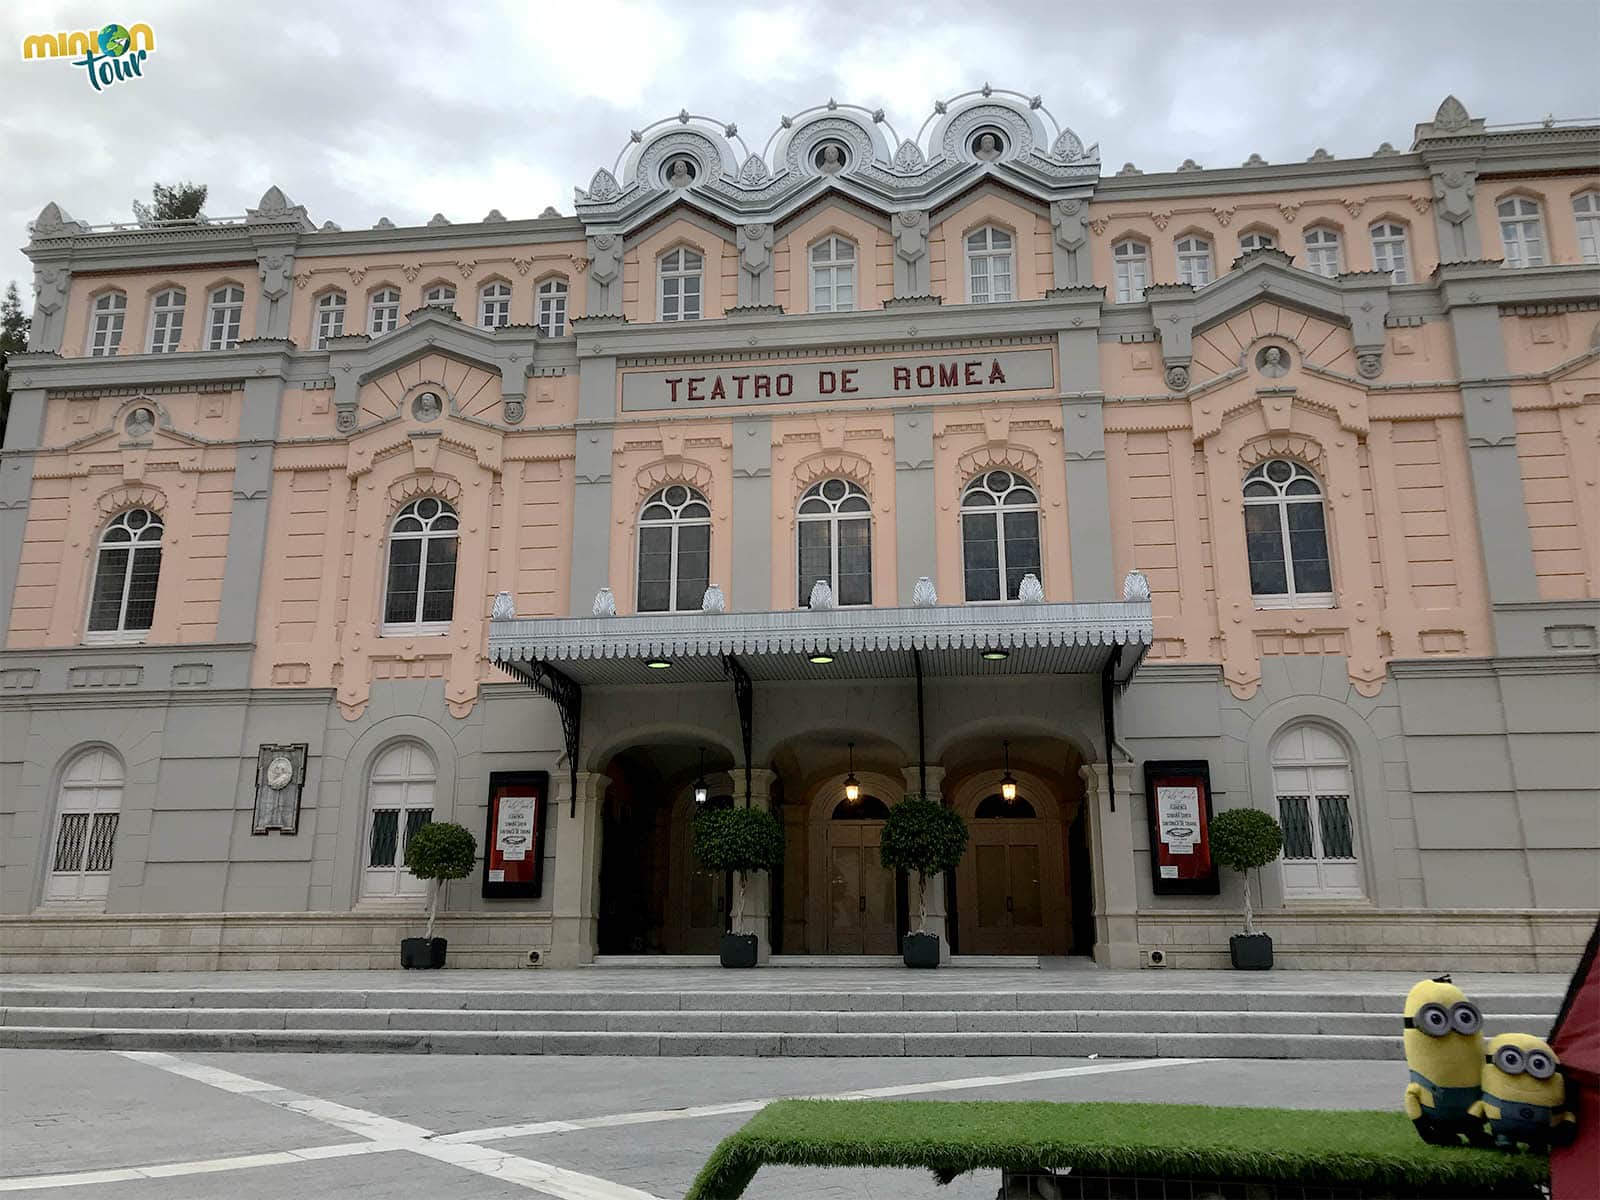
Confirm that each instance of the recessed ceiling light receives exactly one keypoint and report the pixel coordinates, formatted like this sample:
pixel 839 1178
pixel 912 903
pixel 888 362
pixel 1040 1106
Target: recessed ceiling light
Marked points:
pixel 997 655
pixel 821 659
pixel 658 664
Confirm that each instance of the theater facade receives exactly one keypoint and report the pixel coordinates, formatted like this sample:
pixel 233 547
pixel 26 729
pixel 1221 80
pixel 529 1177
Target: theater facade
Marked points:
pixel 812 472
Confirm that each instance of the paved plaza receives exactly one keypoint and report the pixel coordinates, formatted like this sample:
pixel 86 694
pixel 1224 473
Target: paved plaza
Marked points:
pixel 151 1126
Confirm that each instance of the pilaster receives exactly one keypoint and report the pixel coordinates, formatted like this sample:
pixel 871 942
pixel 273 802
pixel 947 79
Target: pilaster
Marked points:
pixel 23 430
pixel 752 515
pixel 276 265
pixel 1083 436
pixel 252 499
pixel 1069 243
pixel 51 283
pixel 915 539
pixel 605 275
pixel 1116 897
pixel 912 272
pixel 591 501
pixel 755 264
pixel 575 902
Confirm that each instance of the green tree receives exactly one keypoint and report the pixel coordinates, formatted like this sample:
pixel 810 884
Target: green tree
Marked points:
pixel 172 202
pixel 14 326
pixel 739 840
pixel 1243 839
pixel 923 837
pixel 439 852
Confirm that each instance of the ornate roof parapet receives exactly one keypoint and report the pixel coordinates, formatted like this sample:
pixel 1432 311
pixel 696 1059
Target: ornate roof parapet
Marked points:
pixel 275 208
pixel 53 221
pixel 1451 121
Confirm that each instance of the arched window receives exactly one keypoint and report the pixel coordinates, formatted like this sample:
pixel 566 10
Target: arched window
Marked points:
pixel 1322 251
pixel 494 305
pixel 1131 259
pixel 106 316
pixel 833 275
pixel 1194 261
pixel 1586 212
pixel 833 527
pixel 439 295
pixel 862 808
pixel 1257 239
pixel 1389 251
pixel 224 316
pixel 678 273
pixel 999 535
pixel 166 320
pixel 996 807
pixel 330 319
pixel 87 811
pixel 1286 535
pixel 1521 231
pixel 989 266
pixel 399 802
pixel 674 550
pixel 420 596
pixel 127 568
pixel 1314 789
pixel 383 312
pixel 553 308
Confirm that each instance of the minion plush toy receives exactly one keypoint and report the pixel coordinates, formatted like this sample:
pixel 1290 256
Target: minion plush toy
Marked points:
pixel 1444 1049
pixel 1524 1096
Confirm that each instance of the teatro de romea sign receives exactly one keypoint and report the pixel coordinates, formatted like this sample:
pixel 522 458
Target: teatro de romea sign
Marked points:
pixel 718 385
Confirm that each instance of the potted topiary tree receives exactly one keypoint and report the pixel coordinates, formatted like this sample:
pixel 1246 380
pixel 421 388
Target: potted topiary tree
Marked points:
pixel 438 852
pixel 1244 839
pixel 925 838
pixel 740 840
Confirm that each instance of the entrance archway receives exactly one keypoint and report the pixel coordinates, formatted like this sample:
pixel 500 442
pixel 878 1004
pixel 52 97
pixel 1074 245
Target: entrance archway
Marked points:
pixel 858 891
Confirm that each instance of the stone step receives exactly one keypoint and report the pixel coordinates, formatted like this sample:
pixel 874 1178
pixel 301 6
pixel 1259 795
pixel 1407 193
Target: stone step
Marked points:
pixel 1023 1022
pixel 790 999
pixel 797 1045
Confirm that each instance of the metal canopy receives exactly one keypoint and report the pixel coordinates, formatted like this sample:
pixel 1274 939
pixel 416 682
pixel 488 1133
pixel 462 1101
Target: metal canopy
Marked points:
pixel 867 643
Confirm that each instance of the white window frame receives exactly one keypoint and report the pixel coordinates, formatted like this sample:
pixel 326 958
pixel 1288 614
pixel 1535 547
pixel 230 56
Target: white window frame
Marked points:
pixel 1281 500
pixel 494 304
pixel 1325 254
pixel 676 522
pixel 991 265
pixel 1521 220
pixel 166 320
pixel 832 266
pixel 1130 260
pixel 1194 260
pixel 383 312
pixel 224 317
pixel 91 788
pixel 1391 249
pixel 1257 239
pixel 1586 216
pixel 122 533
pixel 108 314
pixel 443 525
pixel 1308 760
pixel 403 780
pixel 439 295
pixel 329 319
pixel 834 516
pixel 675 270
pixel 553 295
pixel 980 485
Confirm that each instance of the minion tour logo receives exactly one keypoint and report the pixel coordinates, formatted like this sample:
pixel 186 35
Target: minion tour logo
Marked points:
pixel 110 54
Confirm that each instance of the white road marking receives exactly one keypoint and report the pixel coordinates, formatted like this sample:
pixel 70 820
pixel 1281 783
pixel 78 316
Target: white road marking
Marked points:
pixel 204 1166
pixel 498 1133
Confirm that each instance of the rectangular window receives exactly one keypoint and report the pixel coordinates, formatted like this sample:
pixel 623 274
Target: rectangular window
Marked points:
pixel 405 563
pixel 439 587
pixel 980 553
pixel 70 839
pixel 102 838
pixel 855 562
pixel 227 314
pixel 1308 547
pixel 385 837
pixel 655 569
pixel 1022 549
pixel 694 566
pixel 1333 815
pixel 1294 813
pixel 816 558
pixel 1263 535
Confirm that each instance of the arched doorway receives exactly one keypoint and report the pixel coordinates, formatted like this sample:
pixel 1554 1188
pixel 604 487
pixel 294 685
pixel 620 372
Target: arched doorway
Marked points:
pixel 698 915
pixel 853 901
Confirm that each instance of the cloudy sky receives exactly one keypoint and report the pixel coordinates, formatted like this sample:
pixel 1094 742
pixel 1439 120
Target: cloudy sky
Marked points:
pixel 399 109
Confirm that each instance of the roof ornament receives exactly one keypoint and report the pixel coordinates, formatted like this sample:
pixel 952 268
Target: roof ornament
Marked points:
pixel 923 595
pixel 330 227
pixel 1129 169
pixel 605 604
pixel 1030 590
pixel 1451 117
pixel 877 116
pixel 713 601
pixel 384 223
pixel 1189 164
pixel 1384 150
pixel 1255 160
pixel 273 202
pixel 53 221
pixel 730 130
pixel 909 157
pixel 822 596
pixel 1068 147
pixel 1036 102
pixel 550 210
pixel 1136 588
pixel 987 90
pixel 1320 155
pixel 495 215
pixel 505 608
pixel 754 171
pixel 603 186
pixel 683 116
pixel 438 219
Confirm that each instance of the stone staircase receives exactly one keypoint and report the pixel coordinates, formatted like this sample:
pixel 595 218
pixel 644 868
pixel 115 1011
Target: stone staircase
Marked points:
pixel 884 1019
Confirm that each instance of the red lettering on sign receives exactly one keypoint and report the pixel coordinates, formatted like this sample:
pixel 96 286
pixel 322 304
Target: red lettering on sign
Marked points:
pixel 827 383
pixel 785 384
pixel 763 386
pixel 971 369
pixel 847 379
pixel 902 378
pixel 673 384
pixel 718 392
pixel 739 382
pixel 996 375
pixel 694 387
pixel 925 376
pixel 947 375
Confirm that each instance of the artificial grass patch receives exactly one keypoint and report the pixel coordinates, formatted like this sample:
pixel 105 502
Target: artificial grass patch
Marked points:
pixel 1371 1151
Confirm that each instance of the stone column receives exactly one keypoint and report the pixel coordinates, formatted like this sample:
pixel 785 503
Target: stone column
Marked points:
pixel 753 900
pixel 575 901
pixel 1116 894
pixel 938 904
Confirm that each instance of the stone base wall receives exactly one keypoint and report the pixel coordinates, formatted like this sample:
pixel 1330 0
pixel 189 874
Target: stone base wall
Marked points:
pixel 1422 940
pixel 72 942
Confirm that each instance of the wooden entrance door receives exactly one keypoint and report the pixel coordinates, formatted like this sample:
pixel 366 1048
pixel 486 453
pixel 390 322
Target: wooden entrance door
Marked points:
pixel 861 908
pixel 1011 882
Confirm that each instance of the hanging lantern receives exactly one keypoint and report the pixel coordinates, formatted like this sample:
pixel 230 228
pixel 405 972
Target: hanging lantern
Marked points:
pixel 852 785
pixel 701 792
pixel 1008 783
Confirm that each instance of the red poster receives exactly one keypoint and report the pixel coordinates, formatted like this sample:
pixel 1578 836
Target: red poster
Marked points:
pixel 513 856
pixel 1178 804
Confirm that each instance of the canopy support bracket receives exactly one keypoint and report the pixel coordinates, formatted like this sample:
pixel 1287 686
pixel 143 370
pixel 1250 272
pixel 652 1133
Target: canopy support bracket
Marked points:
pixel 744 696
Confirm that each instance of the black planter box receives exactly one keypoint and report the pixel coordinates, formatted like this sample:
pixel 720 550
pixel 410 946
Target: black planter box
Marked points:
pixel 425 953
pixel 739 949
pixel 1250 951
pixel 920 950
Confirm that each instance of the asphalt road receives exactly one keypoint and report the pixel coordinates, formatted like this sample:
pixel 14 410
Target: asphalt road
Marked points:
pixel 131 1126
